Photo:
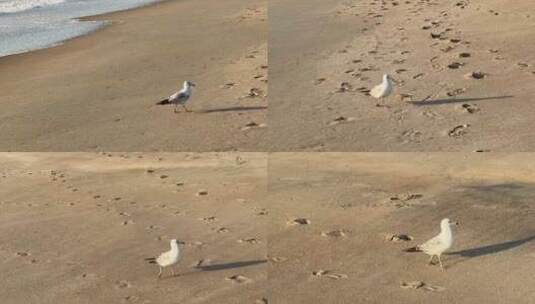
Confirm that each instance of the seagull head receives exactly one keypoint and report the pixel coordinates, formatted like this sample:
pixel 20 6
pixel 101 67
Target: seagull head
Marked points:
pixel 447 222
pixel 188 83
pixel 387 77
pixel 177 242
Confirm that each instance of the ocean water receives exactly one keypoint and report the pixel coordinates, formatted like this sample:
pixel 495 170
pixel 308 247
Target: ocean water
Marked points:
pixel 27 25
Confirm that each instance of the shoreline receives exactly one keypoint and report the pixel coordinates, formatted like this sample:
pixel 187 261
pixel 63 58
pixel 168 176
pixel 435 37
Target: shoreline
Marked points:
pixel 90 92
pixel 98 17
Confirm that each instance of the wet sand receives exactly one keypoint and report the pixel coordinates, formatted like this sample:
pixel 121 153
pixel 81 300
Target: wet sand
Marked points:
pixel 325 59
pixel 98 92
pixel 334 215
pixel 76 228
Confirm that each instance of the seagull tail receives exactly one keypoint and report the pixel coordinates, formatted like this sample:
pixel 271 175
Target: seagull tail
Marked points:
pixel 413 249
pixel 163 102
pixel 151 260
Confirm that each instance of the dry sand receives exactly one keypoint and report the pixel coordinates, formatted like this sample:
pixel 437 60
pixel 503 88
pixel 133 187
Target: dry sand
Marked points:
pixel 325 55
pixel 75 228
pixel 355 202
pixel 98 92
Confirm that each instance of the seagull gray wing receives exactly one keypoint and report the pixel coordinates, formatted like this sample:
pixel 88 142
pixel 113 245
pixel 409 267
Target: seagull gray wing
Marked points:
pixel 431 244
pixel 178 97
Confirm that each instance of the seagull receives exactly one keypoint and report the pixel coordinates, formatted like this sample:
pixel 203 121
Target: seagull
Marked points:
pixel 180 97
pixel 168 258
pixel 384 89
pixel 437 245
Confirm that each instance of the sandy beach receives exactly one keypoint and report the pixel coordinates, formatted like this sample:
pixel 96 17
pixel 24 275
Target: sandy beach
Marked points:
pixel 76 228
pixel 334 218
pixel 325 56
pixel 98 92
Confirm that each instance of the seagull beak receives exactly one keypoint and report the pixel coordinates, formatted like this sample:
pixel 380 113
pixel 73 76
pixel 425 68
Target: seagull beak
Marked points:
pixel 456 223
pixel 192 84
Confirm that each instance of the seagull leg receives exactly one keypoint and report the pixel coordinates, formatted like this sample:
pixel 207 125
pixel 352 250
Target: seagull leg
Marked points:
pixel 173 271
pixel 440 262
pixel 431 260
pixel 160 274
pixel 187 110
pixel 176 108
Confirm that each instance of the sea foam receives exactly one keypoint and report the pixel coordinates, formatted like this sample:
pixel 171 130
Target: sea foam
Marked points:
pixel 15 6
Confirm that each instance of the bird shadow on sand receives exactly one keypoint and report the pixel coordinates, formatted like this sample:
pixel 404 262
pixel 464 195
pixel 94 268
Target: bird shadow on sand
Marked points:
pixel 489 249
pixel 223 266
pixel 216 267
pixel 232 109
pixel 456 100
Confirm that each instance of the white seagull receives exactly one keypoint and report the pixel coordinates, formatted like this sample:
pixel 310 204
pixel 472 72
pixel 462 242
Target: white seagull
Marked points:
pixel 180 97
pixel 437 245
pixel 168 258
pixel 384 89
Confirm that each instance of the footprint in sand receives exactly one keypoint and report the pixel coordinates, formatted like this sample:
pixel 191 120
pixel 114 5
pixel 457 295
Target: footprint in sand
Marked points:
pixel 456 92
pixel 404 200
pixel 329 274
pixel 122 284
pixel 262 212
pixel 404 97
pixel 127 222
pixel 239 279
pixel 249 241
pixel 129 299
pixel 344 87
pixel 458 131
pixel 253 125
pixel 455 65
pixel 421 285
pixel 411 135
pixel 476 75
pixel 468 108
pixel 209 219
pixel 319 81
pixel 261 301
pixel 299 221
pixel 399 237
pixel 222 230
pixel 464 55
pixel 334 234
pixel 419 75
pixel 228 85
pixel 202 192
pixel 279 259
pixel 202 263
pixel 447 49
pixel 341 119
